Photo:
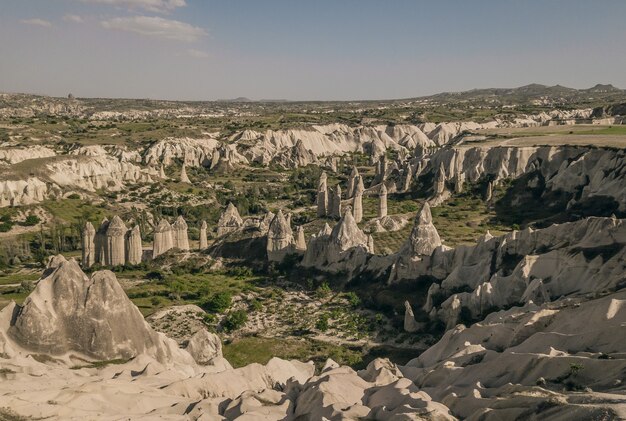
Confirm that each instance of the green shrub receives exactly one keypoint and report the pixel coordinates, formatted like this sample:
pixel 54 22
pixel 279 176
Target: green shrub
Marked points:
pixel 235 320
pixel 322 323
pixel 218 303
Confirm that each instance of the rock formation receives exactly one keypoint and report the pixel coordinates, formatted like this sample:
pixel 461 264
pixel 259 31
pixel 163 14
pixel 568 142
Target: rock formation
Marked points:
pixel 203 236
pixel 68 312
pixel 382 201
pixel 183 175
pixel 163 240
pixel 440 181
pixel 410 325
pixel 322 196
pixel 300 244
pixel 100 242
pixel 489 191
pixel 180 237
pixel 280 241
pixel 459 181
pixel 335 202
pixel 264 223
pixel 357 201
pixel 134 250
pixel 424 237
pixel 345 247
pixel 408 177
pixel 115 242
pixel 88 244
pixel 162 173
pixel 352 182
pixel 229 221
pixel 370 244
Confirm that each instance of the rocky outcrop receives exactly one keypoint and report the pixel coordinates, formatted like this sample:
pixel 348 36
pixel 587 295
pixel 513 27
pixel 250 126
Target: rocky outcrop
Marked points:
pixel 295 157
pixel 583 174
pixel 180 237
pixel 194 152
pixel 424 237
pixel 204 347
pixel 229 221
pixel 357 200
pixel 280 241
pixel 14 155
pixel 300 241
pixel 93 317
pixel 163 238
pixel 203 236
pixel 134 249
pixel 410 325
pixel 88 245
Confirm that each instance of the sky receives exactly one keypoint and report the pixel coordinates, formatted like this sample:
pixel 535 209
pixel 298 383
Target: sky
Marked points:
pixel 306 50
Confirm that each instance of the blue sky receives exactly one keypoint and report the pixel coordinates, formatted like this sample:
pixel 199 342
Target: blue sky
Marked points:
pixel 306 50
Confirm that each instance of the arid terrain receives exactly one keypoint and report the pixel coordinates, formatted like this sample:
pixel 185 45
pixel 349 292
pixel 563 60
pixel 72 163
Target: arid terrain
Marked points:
pixel 456 256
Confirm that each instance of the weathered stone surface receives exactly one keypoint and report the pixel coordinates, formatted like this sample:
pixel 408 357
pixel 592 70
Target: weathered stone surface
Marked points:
pixel 440 181
pixel 162 238
pixel 180 237
pixel 410 325
pixel 88 244
pixel 280 241
pixel 100 242
pixel 203 236
pixel 204 347
pixel 357 201
pixel 229 221
pixel 134 249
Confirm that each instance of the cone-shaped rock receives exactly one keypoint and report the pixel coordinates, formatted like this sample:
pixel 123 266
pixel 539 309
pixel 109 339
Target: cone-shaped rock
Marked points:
pixel 352 181
pixel 335 210
pixel 382 201
pixel 203 238
pixel 347 234
pixel 229 221
pixel 115 243
pixel 280 240
pixel 134 250
pixel 300 239
pixel 162 238
pixel 89 247
pixel 183 175
pixel 410 325
pixel 424 236
pixel 180 237
pixel 440 180
pixel 264 225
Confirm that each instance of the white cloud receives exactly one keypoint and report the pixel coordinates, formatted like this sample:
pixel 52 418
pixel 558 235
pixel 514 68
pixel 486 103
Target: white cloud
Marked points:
pixel 37 22
pixel 150 5
pixel 156 27
pixel 73 18
pixel 197 53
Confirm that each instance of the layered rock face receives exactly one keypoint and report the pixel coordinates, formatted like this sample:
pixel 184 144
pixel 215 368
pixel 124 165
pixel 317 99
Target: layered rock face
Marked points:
pixel 583 173
pixel 280 241
pixel 180 237
pixel 194 152
pixel 229 221
pixel 68 312
pixel 15 155
pixel 343 247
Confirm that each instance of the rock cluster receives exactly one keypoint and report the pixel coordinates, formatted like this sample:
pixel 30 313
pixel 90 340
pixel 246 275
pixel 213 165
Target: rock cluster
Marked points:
pixel 229 221
pixel 112 245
